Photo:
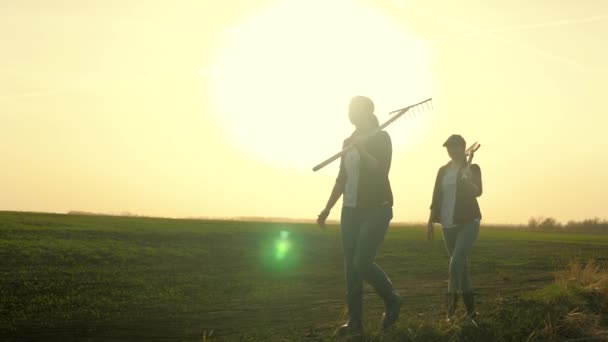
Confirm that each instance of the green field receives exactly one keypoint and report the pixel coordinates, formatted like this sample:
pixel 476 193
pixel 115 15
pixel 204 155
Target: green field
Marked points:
pixel 103 278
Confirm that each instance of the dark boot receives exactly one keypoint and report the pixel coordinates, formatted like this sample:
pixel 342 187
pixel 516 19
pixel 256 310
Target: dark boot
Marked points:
pixel 392 308
pixel 383 286
pixel 349 329
pixel 452 300
pixel 354 326
pixel 469 303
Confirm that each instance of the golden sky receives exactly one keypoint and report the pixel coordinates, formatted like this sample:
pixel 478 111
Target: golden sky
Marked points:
pixel 221 108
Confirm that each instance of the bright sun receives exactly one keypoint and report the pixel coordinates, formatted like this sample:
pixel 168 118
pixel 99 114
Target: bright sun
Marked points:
pixel 283 77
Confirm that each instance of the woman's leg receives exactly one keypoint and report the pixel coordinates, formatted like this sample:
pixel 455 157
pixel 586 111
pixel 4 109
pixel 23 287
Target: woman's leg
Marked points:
pixel 371 235
pixel 464 245
pixel 459 268
pixel 449 236
pixel 373 230
pixel 350 226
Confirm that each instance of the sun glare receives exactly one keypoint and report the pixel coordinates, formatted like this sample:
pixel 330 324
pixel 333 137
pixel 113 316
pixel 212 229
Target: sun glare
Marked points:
pixel 283 77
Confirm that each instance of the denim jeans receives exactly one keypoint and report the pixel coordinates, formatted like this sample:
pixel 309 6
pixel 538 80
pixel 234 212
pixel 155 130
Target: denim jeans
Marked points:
pixel 459 242
pixel 363 230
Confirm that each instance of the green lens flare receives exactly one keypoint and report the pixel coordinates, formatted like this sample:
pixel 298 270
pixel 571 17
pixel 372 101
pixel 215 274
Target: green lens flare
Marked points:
pixel 282 245
pixel 282 248
pixel 280 251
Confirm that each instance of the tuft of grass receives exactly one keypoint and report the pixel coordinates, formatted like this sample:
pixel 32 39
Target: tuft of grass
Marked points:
pixel 589 275
pixel 590 282
pixel 576 305
pixel 573 308
pixel 207 335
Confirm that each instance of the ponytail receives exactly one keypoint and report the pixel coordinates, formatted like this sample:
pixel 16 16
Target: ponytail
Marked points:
pixel 374 121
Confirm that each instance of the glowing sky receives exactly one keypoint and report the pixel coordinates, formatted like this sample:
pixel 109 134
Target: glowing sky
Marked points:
pixel 222 108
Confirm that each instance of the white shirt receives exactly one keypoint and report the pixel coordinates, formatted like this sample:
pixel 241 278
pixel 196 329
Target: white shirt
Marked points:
pixel 352 161
pixel 448 189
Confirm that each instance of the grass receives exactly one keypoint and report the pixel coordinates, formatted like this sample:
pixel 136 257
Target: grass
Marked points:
pixel 97 278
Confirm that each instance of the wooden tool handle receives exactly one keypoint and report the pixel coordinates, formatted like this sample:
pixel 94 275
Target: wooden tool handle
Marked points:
pixel 397 114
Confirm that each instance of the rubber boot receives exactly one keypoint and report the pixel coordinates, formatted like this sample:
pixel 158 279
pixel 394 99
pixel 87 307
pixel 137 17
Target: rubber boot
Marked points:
pixel 354 326
pixel 392 308
pixel 469 303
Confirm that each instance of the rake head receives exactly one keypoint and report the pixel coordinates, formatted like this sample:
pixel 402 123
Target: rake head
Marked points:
pixel 415 109
pixel 472 149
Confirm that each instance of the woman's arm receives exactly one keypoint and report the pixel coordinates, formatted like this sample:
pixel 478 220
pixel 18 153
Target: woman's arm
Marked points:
pixel 366 158
pixel 434 207
pixel 472 180
pixel 436 192
pixel 430 228
pixel 377 153
pixel 336 192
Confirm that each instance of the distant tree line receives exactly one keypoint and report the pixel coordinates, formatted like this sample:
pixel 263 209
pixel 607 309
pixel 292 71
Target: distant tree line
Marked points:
pixel 550 224
pixel 88 213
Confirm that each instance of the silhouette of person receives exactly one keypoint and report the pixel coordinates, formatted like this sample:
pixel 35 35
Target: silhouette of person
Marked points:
pixel 455 207
pixel 366 213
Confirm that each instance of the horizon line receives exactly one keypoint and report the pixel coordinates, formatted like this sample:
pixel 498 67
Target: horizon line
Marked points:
pixel 248 218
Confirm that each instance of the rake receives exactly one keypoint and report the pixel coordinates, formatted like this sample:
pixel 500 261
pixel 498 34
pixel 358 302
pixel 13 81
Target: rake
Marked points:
pixel 411 111
pixel 470 152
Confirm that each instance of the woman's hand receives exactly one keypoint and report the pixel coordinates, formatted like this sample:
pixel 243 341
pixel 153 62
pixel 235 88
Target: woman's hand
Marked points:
pixel 472 181
pixel 358 143
pixel 366 157
pixel 430 231
pixel 322 218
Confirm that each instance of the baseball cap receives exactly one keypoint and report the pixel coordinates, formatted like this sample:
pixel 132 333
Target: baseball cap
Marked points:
pixel 455 140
